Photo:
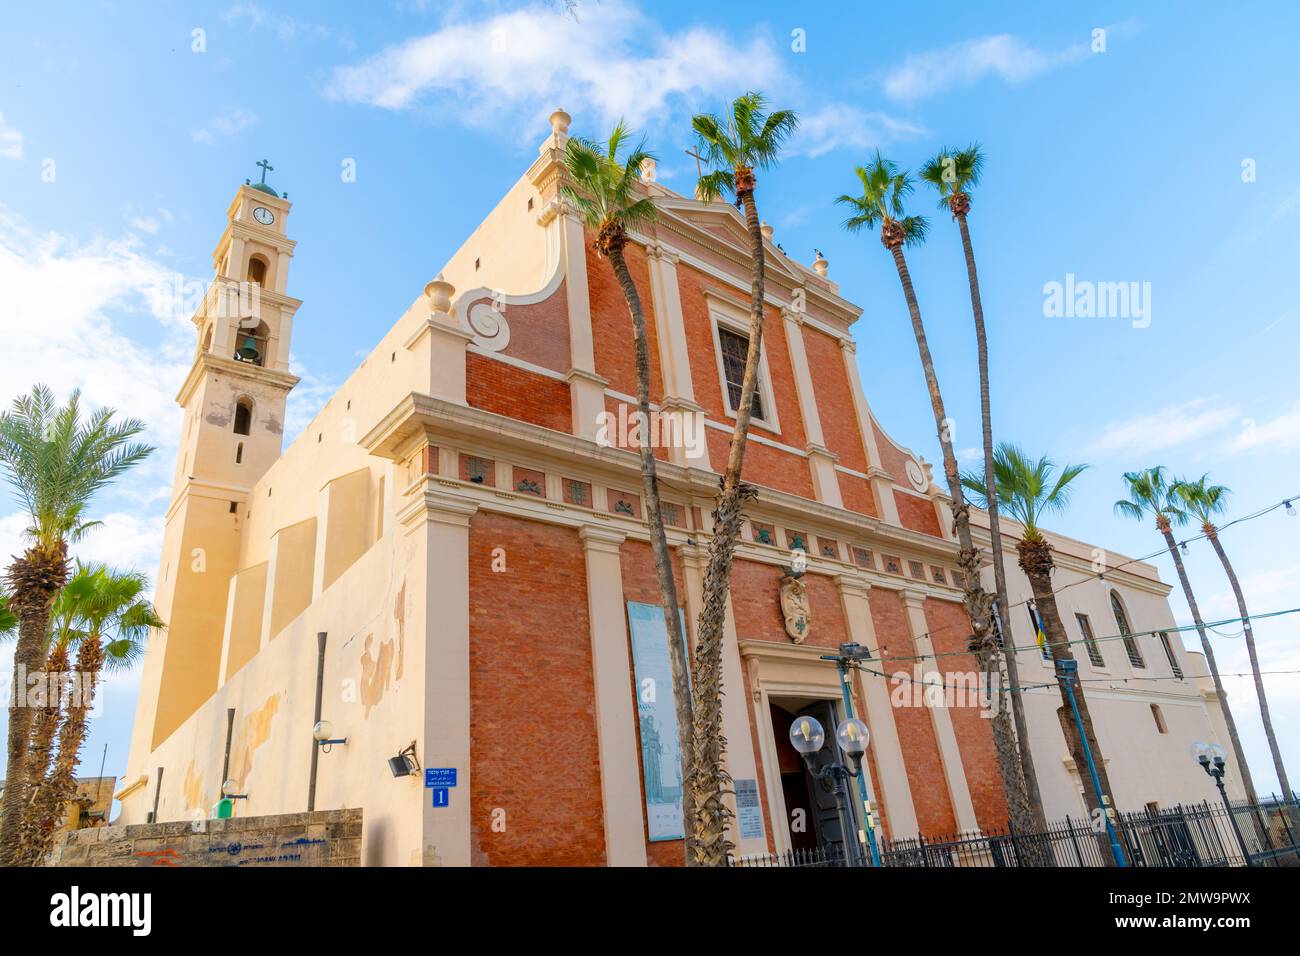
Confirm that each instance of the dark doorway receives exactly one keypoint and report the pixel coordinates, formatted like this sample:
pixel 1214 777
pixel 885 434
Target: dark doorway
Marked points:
pixel 814 819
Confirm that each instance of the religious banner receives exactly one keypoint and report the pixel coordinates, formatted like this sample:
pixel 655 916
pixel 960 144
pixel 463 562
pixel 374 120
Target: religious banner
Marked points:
pixel 656 710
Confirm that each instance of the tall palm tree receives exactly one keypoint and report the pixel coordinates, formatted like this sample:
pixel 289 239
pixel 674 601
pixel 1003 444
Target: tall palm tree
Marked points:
pixel 108 617
pixel 881 203
pixel 1202 500
pixel 1027 489
pixel 604 187
pixel 56 460
pixel 954 173
pixel 748 138
pixel 1150 494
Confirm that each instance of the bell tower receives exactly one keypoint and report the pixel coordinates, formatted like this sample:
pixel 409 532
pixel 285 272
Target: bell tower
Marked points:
pixel 232 432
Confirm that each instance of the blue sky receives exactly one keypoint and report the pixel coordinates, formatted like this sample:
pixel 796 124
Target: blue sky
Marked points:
pixel 1167 159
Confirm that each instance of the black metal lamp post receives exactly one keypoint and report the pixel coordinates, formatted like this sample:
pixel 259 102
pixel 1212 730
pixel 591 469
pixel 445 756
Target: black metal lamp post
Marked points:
pixel 807 737
pixel 1213 760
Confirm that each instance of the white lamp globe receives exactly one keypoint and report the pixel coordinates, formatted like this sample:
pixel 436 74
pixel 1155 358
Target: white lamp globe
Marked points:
pixel 323 730
pixel 806 735
pixel 853 736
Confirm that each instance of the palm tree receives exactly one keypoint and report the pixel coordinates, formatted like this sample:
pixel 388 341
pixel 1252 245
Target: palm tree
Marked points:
pixel 108 617
pixel 56 461
pixel 1203 501
pixel 749 138
pixel 1150 494
pixel 954 173
pixel 604 189
pixel 1027 489
pixel 881 203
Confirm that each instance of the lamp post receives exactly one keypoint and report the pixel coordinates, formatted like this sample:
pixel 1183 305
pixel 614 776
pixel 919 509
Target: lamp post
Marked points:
pixel 807 737
pixel 1066 669
pixel 1213 760
pixel 848 655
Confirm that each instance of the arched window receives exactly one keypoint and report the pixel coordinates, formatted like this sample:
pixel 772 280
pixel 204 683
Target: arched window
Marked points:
pixel 1126 632
pixel 243 417
pixel 257 270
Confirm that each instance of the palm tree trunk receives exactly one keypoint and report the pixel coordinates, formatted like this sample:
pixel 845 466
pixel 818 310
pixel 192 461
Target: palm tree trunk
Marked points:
pixel 1029 775
pixel 1238 752
pixel 1036 562
pixel 44 727
pixel 35 579
pixel 61 785
pixel 983 642
pixel 1213 535
pixel 709 777
pixel 658 538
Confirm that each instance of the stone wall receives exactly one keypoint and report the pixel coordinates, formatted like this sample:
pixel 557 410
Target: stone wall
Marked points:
pixel 323 838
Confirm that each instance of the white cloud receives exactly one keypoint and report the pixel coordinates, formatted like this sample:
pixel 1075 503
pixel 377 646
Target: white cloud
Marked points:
pixel 225 124
pixel 67 305
pixel 1277 433
pixel 11 141
pixel 841 125
pixel 613 62
pixel 961 64
pixel 1164 428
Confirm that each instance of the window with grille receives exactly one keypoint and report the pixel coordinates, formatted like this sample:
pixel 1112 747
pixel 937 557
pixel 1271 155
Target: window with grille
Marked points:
pixel 735 350
pixel 1126 632
pixel 1169 654
pixel 1090 642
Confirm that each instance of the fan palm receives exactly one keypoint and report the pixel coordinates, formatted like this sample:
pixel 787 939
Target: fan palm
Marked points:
pixel 56 459
pixel 749 138
pixel 1027 489
pixel 106 614
pixel 1204 501
pixel 604 188
pixel 953 173
pixel 881 202
pixel 1150 495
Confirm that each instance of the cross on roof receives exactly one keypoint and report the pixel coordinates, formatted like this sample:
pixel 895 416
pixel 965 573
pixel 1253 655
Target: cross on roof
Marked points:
pixel 698 158
pixel 266 168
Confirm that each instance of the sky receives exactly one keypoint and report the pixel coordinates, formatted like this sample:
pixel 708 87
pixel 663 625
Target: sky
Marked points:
pixel 1159 151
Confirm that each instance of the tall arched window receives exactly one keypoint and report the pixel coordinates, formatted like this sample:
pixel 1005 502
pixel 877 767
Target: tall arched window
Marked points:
pixel 257 270
pixel 243 417
pixel 1126 632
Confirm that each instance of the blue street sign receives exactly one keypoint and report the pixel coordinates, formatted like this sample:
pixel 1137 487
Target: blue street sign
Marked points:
pixel 440 776
pixel 441 797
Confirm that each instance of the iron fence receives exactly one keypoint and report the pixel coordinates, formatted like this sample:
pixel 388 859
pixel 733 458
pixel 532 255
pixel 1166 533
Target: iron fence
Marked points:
pixel 1195 835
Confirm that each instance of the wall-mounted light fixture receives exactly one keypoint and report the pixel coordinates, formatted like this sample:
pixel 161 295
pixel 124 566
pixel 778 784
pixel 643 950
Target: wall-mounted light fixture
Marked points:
pixel 323 733
pixel 405 763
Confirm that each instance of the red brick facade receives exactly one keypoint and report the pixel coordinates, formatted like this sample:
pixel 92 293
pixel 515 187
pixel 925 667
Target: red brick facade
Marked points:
pixel 530 642
pixel 536 768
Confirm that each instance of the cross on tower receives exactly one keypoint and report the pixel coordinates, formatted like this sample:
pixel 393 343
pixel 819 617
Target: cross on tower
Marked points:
pixel 266 168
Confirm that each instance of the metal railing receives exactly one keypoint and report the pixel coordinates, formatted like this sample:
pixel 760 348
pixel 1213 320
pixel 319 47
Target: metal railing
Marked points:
pixel 1196 835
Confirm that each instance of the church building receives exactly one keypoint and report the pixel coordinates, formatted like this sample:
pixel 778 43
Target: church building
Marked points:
pixel 448 570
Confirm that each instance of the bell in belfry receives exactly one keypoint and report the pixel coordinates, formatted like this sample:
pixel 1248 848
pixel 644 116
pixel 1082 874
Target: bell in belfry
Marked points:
pixel 248 351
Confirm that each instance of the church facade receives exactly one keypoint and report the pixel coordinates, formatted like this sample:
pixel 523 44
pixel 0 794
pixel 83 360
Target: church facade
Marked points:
pixel 450 567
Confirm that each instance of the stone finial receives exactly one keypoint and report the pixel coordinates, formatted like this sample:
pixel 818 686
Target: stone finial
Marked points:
pixel 649 169
pixel 560 123
pixel 821 265
pixel 767 230
pixel 439 293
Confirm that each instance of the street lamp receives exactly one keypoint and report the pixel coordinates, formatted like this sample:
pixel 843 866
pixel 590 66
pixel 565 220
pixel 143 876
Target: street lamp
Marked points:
pixel 807 737
pixel 1214 761
pixel 852 653
pixel 323 734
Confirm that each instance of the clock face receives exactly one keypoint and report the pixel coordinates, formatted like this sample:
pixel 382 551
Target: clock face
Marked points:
pixel 264 215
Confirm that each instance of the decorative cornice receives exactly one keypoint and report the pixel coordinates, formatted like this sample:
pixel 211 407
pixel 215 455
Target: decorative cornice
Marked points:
pixel 208 362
